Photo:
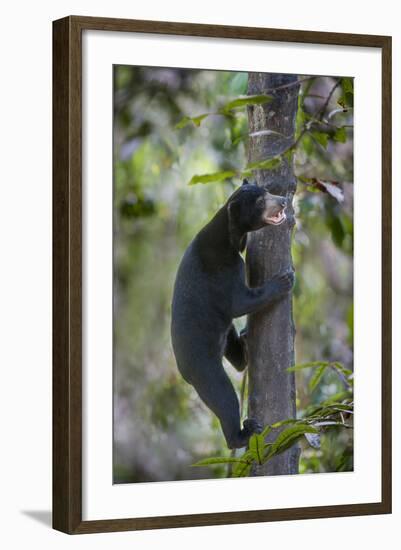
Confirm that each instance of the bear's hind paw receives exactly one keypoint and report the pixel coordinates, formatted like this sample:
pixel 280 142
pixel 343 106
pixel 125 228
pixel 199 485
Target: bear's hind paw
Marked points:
pixel 252 426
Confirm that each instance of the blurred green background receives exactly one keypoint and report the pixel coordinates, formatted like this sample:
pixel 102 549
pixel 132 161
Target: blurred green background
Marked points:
pixel 160 425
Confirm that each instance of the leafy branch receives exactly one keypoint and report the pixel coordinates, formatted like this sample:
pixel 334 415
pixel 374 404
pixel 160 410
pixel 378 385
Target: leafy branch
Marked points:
pixel 228 108
pixel 225 110
pixel 318 126
pixel 334 412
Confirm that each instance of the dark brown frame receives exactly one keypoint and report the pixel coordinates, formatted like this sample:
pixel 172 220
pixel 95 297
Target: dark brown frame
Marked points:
pixel 67 278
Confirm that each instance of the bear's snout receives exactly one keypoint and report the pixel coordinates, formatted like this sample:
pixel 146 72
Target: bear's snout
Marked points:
pixel 283 202
pixel 274 212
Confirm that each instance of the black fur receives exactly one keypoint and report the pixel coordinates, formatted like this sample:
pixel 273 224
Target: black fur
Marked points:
pixel 210 291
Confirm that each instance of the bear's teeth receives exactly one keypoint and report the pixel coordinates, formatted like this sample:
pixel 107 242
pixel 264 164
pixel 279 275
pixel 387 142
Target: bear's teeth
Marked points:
pixel 277 218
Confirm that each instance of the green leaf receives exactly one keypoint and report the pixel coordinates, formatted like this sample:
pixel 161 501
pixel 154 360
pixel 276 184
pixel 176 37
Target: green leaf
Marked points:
pixel 312 364
pixel 266 430
pixel 239 138
pixel 188 120
pixel 335 225
pixel 183 122
pixel 344 408
pixel 320 367
pixel 243 101
pixel 347 85
pixel 316 377
pixel 238 83
pixel 198 119
pixel 307 144
pixel 345 375
pixel 337 398
pixel 329 424
pixel 267 164
pixel 347 97
pixel 225 109
pixel 217 460
pixel 341 368
pixel 257 447
pixel 331 410
pixel 321 137
pixel 246 174
pixel 340 135
pixel 301 117
pixel 288 155
pixel 242 470
pixel 208 178
pixel 346 101
pixel 284 422
pixel 288 438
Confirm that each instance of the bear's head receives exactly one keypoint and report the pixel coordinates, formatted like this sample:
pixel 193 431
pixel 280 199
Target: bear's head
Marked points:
pixel 251 207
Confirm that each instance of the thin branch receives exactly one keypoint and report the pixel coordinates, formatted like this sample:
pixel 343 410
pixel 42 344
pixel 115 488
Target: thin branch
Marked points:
pixel 318 116
pixel 322 110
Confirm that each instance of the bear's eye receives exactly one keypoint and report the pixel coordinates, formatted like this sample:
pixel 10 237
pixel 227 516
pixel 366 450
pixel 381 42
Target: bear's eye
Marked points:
pixel 260 201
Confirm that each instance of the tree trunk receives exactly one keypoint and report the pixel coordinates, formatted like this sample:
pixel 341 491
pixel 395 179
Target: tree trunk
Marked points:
pixel 271 332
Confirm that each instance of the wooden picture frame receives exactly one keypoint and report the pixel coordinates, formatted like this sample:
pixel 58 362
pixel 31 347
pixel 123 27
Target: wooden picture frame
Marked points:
pixel 67 273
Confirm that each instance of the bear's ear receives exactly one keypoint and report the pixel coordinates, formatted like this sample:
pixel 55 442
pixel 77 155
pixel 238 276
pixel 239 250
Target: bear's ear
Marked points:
pixel 245 182
pixel 237 238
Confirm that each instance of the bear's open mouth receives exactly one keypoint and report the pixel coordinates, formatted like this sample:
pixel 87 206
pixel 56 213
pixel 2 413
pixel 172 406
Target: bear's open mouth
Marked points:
pixel 277 219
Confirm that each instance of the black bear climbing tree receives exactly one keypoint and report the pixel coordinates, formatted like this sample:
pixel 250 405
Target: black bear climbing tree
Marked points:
pixel 200 136
pixel 271 331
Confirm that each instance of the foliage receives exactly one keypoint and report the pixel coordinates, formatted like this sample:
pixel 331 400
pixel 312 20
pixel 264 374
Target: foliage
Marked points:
pixel 316 419
pixel 314 130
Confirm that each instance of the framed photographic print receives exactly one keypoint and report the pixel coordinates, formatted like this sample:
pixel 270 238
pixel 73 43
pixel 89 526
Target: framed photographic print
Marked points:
pixel 221 274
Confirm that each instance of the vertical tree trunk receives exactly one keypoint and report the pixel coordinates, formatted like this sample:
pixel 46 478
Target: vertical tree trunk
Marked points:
pixel 271 332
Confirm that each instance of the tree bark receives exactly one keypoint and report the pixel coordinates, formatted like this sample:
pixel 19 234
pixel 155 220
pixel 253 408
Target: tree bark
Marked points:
pixel 271 332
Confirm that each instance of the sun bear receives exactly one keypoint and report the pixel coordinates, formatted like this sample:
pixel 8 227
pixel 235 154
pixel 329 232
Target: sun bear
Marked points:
pixel 210 291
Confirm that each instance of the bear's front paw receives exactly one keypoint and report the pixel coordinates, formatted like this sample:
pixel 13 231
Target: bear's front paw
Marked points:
pixel 282 282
